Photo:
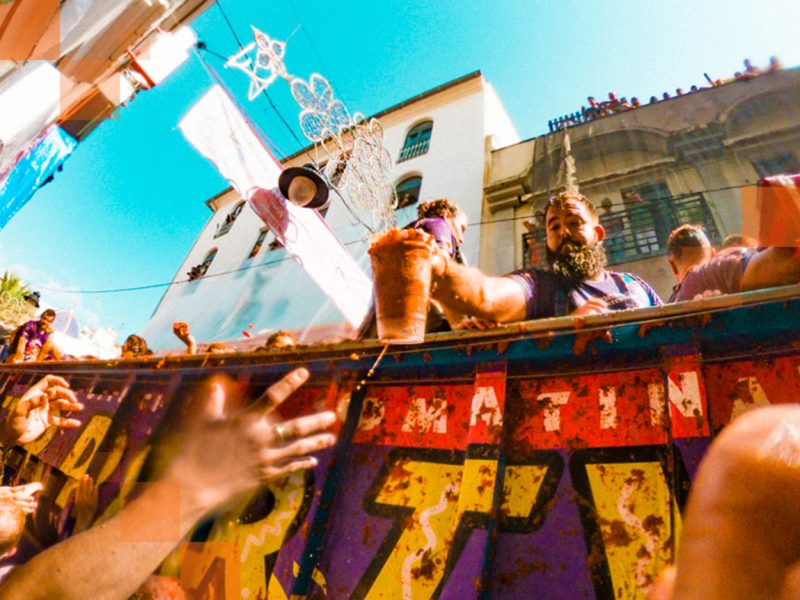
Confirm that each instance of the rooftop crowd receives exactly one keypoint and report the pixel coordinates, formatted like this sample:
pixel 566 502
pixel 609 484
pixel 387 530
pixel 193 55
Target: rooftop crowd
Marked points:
pixel 597 109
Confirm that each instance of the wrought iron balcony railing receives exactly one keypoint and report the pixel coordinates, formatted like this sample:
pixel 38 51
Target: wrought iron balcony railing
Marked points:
pixel 413 150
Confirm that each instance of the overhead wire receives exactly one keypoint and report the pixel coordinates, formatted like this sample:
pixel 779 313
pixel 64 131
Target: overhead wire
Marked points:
pixel 265 92
pixel 313 46
pixel 202 46
pixel 350 243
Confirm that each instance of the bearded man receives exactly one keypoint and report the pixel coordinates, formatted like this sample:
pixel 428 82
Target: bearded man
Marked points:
pixel 577 282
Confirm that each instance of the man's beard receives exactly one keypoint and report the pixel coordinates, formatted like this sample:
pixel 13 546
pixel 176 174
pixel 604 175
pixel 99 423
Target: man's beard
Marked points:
pixel 575 262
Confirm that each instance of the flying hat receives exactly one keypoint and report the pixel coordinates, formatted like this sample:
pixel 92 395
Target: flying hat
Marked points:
pixel 301 193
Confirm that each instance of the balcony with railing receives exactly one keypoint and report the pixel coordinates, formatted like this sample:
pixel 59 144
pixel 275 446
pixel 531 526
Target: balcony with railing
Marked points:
pixel 413 150
pixel 225 226
pixel 638 230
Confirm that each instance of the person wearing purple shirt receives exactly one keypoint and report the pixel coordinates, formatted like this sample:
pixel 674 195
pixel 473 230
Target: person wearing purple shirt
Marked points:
pixel 30 338
pixel 446 222
pixel 700 271
pixel 577 282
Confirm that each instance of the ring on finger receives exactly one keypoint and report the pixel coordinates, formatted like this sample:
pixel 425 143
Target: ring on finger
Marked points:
pixel 280 433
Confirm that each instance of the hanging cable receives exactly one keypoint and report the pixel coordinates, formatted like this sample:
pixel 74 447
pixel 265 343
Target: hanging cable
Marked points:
pixel 168 283
pixel 230 25
pixel 489 222
pixel 300 144
pixel 313 47
pixel 273 147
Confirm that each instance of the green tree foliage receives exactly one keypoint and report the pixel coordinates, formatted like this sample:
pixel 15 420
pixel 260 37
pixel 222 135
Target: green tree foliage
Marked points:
pixel 14 310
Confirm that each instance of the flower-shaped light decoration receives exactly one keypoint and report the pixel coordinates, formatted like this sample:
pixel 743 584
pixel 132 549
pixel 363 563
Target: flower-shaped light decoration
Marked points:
pixel 262 68
pixel 338 149
pixel 322 115
pixel 373 161
pixel 357 164
pixel 360 166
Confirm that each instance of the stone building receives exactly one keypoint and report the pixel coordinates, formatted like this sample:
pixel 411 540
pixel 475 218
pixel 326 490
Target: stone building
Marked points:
pixel 688 159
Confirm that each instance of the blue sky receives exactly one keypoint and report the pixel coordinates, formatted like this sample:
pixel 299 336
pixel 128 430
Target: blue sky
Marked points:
pixel 130 202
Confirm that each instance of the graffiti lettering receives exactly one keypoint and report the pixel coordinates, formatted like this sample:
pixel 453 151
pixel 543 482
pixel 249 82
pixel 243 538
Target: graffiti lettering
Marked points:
pixel 551 404
pixel 631 515
pixel 247 538
pixel 608 408
pixel 372 413
pixel 486 408
pixel 435 506
pixel 749 395
pixel 423 419
pixel 684 393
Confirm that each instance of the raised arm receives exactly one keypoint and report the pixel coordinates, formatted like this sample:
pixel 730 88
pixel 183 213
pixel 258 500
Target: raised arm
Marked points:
pixel 772 267
pixel 467 291
pixel 219 460
pixel 181 331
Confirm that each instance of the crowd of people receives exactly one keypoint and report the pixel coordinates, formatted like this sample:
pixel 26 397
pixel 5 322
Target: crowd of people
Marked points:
pixel 614 105
pixel 222 455
pixel 31 342
pixel 576 281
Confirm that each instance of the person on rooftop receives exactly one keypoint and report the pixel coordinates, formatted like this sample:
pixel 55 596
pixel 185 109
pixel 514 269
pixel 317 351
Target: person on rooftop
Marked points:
pixel 576 283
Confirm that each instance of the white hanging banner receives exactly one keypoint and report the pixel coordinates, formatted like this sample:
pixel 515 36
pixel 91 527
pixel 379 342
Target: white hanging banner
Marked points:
pixel 219 131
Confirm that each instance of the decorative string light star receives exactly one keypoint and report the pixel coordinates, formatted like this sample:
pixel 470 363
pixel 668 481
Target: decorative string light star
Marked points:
pixel 264 66
pixel 358 165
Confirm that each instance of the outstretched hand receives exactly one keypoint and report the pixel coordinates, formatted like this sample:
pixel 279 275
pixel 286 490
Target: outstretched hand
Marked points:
pixel 23 495
pixel 38 410
pixel 222 458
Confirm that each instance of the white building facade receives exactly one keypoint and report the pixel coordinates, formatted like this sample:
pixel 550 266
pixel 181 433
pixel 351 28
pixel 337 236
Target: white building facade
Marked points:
pixel 235 279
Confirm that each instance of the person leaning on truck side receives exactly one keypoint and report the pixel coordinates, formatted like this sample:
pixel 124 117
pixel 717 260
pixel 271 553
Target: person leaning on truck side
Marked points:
pixel 576 283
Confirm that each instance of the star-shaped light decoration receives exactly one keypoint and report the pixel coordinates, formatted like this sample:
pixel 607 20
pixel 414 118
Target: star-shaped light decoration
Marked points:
pixel 262 68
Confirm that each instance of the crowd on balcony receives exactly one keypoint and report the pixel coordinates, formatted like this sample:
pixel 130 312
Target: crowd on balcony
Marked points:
pixel 614 105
